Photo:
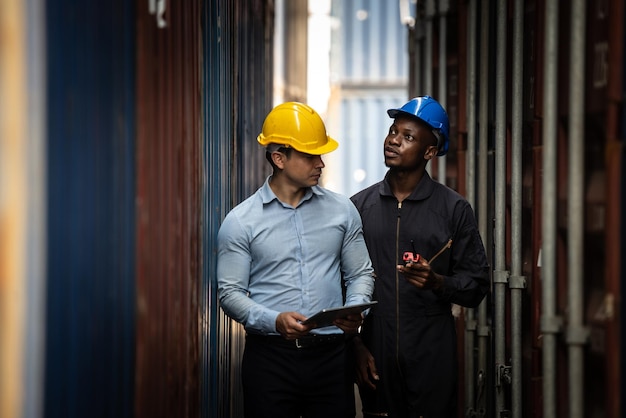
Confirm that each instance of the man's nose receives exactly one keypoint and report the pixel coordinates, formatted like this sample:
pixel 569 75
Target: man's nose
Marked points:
pixel 394 139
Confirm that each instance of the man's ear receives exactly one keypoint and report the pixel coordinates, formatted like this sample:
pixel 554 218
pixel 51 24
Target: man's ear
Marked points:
pixel 279 159
pixel 431 152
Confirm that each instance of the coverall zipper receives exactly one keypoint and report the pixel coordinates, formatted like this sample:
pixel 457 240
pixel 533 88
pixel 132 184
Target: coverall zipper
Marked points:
pixel 398 285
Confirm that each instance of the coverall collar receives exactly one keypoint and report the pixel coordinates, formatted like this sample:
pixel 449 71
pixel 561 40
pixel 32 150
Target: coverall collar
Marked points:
pixel 422 191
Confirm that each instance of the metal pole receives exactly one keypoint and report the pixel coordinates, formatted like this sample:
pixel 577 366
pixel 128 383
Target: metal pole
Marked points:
pixel 428 55
pixel 428 47
pixel 550 324
pixel 418 71
pixel 576 333
pixel 470 315
pixel 483 209
pixel 443 77
pixel 500 275
pixel 516 282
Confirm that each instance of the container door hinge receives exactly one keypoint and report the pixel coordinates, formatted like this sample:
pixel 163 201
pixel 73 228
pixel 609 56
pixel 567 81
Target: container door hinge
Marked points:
pixel 503 375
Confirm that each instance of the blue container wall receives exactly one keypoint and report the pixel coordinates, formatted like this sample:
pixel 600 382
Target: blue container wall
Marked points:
pixel 89 354
pixel 151 141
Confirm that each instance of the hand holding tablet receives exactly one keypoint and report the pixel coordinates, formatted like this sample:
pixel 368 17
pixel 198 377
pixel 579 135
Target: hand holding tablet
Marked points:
pixel 325 317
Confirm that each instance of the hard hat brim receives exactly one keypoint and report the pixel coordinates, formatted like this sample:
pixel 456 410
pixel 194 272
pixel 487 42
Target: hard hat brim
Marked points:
pixel 330 145
pixel 393 113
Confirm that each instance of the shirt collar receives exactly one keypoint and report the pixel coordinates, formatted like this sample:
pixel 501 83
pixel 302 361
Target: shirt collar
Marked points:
pixel 423 189
pixel 267 194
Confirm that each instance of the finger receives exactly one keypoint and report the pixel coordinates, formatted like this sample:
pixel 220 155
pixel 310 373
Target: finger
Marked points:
pixel 363 379
pixel 371 365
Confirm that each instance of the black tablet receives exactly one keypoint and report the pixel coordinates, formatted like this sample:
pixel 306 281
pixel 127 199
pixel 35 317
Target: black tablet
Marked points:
pixel 325 317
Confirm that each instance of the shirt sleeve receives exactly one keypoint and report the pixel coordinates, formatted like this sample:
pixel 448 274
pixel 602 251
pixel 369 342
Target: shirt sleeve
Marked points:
pixel 233 278
pixel 356 265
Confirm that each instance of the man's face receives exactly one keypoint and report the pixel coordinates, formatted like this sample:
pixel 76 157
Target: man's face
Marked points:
pixel 301 169
pixel 409 144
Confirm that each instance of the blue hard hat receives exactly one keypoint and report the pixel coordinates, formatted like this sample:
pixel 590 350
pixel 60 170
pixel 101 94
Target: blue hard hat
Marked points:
pixel 430 111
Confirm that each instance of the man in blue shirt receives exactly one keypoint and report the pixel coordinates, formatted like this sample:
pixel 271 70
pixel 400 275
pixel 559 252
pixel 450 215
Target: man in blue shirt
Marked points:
pixel 288 251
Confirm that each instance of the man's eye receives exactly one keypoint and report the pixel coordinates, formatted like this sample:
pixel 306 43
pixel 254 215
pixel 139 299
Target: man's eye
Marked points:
pixel 409 138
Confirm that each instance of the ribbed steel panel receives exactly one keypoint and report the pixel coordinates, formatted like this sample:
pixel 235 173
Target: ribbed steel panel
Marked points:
pixel 603 206
pixel 369 64
pixel 360 126
pixel 237 90
pixel 91 209
pixel 372 42
pixel 218 153
pixel 169 176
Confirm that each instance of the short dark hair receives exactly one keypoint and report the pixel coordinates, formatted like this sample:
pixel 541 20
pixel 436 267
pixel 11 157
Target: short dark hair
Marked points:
pixel 283 149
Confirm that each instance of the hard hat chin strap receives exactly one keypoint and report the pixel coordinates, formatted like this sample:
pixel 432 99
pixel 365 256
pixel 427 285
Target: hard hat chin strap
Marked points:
pixel 439 137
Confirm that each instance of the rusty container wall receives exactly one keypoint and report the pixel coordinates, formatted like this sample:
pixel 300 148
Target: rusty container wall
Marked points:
pixel 90 296
pixel 237 94
pixel 614 156
pixel 604 184
pixel 533 105
pixel 168 209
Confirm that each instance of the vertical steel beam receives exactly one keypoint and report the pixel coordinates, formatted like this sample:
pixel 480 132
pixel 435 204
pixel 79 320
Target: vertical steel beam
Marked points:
pixel 470 314
pixel 428 54
pixel 614 223
pixel 576 333
pixel 483 201
pixel 500 275
pixel 442 93
pixel 428 47
pixel 516 282
pixel 550 324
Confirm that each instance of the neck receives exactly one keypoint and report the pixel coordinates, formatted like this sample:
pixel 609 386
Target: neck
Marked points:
pixel 285 191
pixel 404 182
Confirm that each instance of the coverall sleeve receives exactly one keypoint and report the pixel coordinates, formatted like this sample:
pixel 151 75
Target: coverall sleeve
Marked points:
pixel 467 281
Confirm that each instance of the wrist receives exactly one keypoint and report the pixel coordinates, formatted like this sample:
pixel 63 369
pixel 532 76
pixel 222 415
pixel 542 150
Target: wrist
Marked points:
pixel 438 282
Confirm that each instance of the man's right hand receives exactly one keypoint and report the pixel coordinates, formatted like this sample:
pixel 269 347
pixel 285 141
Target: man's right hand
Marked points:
pixel 289 324
pixel 366 373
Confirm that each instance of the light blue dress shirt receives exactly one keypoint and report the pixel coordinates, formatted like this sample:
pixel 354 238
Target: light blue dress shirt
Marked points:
pixel 275 258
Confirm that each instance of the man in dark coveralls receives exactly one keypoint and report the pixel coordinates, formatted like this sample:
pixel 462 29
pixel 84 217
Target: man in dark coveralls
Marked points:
pixel 406 353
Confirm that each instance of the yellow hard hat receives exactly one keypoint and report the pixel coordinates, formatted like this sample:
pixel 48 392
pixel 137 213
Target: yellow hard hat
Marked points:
pixel 298 126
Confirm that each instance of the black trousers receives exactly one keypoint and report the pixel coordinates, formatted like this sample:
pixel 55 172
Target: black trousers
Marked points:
pixel 417 367
pixel 283 381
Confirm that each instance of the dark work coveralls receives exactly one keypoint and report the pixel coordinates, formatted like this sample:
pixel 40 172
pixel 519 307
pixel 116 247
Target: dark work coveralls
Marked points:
pixel 411 332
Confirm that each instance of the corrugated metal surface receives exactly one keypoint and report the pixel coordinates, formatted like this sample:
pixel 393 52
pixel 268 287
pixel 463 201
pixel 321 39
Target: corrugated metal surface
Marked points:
pixel 360 130
pixel 603 201
pixel 169 152
pixel 371 41
pixel 90 197
pixel 237 95
pixel 369 74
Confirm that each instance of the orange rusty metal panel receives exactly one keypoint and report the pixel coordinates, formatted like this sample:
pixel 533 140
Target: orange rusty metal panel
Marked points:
pixel 168 223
